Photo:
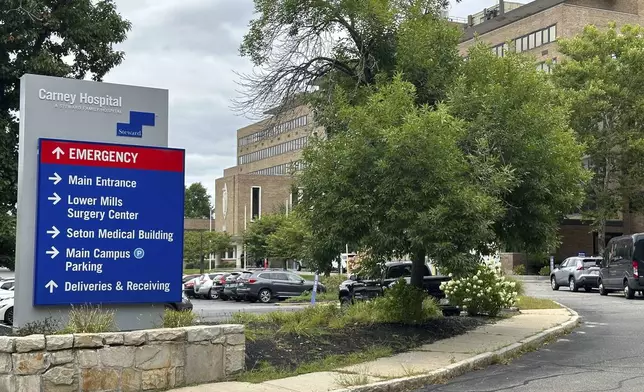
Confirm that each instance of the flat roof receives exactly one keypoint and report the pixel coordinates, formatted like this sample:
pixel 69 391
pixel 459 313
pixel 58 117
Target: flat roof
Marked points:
pixel 508 17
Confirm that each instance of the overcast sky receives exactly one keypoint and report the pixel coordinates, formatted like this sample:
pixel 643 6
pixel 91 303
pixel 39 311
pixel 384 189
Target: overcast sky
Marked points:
pixel 190 47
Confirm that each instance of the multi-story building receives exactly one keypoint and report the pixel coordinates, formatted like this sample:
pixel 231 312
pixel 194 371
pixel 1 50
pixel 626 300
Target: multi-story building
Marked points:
pixel 534 28
pixel 268 154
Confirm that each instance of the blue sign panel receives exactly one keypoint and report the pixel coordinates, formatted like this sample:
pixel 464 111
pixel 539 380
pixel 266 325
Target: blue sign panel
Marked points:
pixel 109 224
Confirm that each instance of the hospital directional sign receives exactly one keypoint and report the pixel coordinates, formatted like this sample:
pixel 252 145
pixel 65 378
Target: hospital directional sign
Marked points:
pixel 109 223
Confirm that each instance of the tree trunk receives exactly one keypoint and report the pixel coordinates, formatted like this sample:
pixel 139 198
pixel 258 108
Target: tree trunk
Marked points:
pixel 418 268
pixel 601 236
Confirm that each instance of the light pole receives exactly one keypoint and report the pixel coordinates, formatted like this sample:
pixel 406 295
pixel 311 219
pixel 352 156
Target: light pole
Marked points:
pixel 210 239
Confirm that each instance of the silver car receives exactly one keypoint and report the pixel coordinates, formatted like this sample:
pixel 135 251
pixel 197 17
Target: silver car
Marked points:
pixel 576 272
pixel 203 286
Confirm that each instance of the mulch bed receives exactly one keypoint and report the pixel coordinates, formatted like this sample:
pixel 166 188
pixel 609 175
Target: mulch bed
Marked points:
pixel 287 351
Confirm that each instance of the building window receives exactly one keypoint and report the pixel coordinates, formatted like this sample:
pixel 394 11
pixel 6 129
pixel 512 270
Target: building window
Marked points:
pixel 255 203
pixel 296 196
pixel 273 131
pixel 547 66
pixel 536 39
pixel 282 148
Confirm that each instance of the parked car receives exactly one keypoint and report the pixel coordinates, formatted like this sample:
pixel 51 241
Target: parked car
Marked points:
pixel 267 285
pixel 358 288
pixel 622 267
pixel 204 286
pixel 576 272
pixel 189 287
pixel 185 304
pixel 219 284
pixel 230 289
pixel 6 310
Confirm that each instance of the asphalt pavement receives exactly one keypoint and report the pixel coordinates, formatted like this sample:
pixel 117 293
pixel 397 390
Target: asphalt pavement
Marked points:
pixel 603 354
pixel 210 311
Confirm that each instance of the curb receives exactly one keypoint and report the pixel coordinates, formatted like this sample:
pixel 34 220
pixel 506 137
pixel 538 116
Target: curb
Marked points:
pixel 474 363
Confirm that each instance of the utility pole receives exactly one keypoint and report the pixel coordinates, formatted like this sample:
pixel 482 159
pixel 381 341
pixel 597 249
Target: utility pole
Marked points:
pixel 201 266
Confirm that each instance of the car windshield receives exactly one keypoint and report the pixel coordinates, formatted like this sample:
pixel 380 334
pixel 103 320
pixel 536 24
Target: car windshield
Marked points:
pixel 590 263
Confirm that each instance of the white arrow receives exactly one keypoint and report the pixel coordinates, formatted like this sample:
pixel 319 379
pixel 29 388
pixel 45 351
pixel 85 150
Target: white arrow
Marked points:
pixel 55 178
pixel 58 152
pixel 51 285
pixel 54 232
pixel 55 198
pixel 53 252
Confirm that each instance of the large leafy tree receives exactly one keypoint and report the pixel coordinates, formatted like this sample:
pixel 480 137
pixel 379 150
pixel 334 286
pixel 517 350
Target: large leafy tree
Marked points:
pixel 515 115
pixel 197 245
pixel 197 202
pixel 396 182
pixel 297 44
pixel 603 75
pixel 257 234
pixel 64 38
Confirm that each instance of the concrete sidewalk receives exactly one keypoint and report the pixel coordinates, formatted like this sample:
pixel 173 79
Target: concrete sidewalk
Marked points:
pixel 425 359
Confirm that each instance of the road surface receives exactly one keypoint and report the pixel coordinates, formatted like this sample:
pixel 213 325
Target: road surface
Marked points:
pixel 220 311
pixel 603 354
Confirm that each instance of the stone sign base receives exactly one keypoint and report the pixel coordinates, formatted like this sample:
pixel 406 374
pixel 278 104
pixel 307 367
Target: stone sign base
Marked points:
pixel 145 360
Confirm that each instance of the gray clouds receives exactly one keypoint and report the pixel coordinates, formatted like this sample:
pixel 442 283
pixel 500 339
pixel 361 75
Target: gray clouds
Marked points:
pixel 190 47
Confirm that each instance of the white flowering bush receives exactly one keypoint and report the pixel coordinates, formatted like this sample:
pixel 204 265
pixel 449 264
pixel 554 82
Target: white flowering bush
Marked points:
pixel 486 292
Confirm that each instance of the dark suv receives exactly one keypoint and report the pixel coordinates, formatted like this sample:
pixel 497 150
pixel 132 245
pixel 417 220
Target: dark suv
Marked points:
pixel 623 266
pixel 274 284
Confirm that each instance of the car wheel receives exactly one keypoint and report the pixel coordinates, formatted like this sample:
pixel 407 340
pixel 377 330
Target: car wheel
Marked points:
pixel 572 284
pixel 223 297
pixel 628 293
pixel 212 294
pixel 553 283
pixel 8 316
pixel 345 302
pixel 265 296
pixel 602 290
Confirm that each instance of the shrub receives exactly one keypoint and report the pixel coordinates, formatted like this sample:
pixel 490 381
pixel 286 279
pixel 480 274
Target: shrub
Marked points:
pixel 486 292
pixel 178 318
pixel 545 270
pixel 518 285
pixel 90 319
pixel 402 303
pixel 519 269
pixel 47 326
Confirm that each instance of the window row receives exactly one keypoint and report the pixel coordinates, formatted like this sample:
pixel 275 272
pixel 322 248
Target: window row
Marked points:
pixel 528 41
pixel 282 148
pixel 546 66
pixel 286 126
pixel 536 39
pixel 280 170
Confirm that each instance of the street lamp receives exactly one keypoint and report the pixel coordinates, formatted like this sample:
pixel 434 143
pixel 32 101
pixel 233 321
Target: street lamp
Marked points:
pixel 210 239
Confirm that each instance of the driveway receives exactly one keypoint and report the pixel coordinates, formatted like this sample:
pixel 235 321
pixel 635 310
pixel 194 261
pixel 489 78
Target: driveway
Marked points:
pixel 604 354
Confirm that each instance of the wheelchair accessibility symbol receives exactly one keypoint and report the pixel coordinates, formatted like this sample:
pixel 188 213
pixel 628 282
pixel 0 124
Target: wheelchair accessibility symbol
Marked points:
pixel 139 253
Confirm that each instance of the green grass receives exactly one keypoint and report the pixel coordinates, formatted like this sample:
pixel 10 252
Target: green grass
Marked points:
pixel 519 287
pixel 524 302
pixel 267 372
pixel 321 297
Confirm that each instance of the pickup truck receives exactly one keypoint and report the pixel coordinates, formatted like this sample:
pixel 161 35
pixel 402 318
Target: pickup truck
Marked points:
pixel 361 289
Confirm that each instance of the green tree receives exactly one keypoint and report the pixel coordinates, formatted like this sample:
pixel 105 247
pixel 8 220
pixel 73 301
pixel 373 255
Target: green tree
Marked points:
pixel 348 43
pixel 197 202
pixel 64 38
pixel 514 114
pixel 198 245
pixel 289 239
pixel 258 232
pixel 398 183
pixel 602 74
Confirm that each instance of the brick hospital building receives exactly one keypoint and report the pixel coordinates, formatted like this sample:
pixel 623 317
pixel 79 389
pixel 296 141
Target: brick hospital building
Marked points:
pixel 268 151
